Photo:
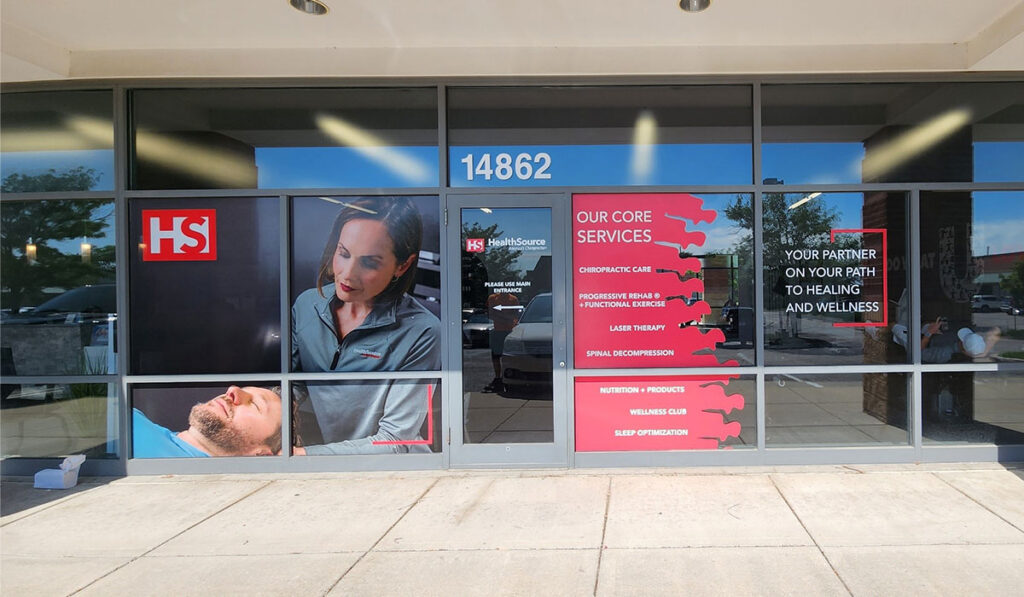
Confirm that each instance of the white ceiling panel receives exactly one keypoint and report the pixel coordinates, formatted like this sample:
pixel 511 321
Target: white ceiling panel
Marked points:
pixel 114 38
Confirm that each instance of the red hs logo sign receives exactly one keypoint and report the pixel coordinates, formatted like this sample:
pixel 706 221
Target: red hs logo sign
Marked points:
pixel 179 235
pixel 474 245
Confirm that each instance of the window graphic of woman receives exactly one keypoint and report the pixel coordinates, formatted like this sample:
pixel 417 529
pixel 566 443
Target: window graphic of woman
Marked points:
pixel 359 318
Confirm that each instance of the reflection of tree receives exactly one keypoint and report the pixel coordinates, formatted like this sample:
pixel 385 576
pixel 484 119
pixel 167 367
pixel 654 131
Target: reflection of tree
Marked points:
pixel 806 226
pixel 496 264
pixel 46 222
pixel 1013 283
pixel 75 179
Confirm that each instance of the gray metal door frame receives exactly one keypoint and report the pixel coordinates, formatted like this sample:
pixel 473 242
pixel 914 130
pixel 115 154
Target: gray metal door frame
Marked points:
pixel 477 455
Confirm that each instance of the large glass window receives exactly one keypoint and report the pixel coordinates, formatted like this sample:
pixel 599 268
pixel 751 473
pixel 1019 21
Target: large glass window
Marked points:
pixel 544 136
pixel 973 407
pixel 836 410
pixel 284 138
pixel 58 298
pixel 205 286
pixel 57 141
pixel 835 278
pixel 55 420
pixel 893 132
pixel 508 324
pixel 972 277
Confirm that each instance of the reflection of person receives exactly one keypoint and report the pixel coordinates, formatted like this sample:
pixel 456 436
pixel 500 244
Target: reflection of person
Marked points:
pixel 239 422
pixel 504 317
pixel 359 318
pixel 936 349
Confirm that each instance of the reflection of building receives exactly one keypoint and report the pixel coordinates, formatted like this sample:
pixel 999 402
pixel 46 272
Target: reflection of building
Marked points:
pixel 993 267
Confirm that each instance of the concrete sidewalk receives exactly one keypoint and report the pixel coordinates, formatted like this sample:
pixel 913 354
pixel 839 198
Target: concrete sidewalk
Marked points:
pixel 829 530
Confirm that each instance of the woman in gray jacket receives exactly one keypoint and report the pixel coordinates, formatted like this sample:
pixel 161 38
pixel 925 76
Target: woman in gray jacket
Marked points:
pixel 359 317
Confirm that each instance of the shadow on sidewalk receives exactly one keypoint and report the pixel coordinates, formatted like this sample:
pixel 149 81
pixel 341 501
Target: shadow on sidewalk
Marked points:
pixel 18 494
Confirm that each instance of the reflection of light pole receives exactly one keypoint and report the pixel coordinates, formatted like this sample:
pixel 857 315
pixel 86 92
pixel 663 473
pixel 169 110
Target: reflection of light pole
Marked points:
pixel 86 248
pixel 30 251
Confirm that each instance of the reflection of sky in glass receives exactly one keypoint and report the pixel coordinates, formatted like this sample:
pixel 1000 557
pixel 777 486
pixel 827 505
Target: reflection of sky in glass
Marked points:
pixel 847 205
pixel 40 162
pixel 840 163
pixel 997 226
pixel 324 167
pixel 998 222
pixel 723 234
pixel 812 163
pixel 999 161
pixel 516 222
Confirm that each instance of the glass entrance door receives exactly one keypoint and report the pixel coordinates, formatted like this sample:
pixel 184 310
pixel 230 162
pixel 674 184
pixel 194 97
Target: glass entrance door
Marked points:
pixel 511 360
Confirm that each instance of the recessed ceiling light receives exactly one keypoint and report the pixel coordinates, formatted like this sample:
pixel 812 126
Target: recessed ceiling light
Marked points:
pixel 694 5
pixel 311 7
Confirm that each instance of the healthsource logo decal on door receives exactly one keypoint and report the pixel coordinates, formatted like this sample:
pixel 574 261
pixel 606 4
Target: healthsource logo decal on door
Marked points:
pixel 179 235
pixel 479 245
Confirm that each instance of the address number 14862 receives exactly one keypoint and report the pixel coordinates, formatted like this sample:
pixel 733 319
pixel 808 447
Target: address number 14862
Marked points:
pixel 503 166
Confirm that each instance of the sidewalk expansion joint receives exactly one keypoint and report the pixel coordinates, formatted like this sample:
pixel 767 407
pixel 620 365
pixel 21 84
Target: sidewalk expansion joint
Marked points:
pixel 604 530
pixel 811 536
pixel 173 537
pixel 382 535
pixel 968 496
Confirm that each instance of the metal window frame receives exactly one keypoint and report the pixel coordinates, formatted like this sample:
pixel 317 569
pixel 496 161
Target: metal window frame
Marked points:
pixel 915 451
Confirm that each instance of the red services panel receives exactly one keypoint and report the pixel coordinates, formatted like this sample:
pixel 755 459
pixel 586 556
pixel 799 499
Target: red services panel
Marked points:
pixel 654 413
pixel 637 299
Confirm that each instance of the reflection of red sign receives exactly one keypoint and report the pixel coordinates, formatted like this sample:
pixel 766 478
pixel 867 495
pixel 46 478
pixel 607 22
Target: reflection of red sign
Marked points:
pixel 179 235
pixel 638 300
pixel 474 245
pixel 654 413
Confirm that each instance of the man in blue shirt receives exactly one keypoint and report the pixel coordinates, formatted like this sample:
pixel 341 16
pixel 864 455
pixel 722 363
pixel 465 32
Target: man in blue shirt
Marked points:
pixel 239 422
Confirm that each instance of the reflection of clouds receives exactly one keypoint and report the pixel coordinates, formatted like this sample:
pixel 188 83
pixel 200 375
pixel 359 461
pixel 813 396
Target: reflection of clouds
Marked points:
pixel 1003 236
pixel 721 238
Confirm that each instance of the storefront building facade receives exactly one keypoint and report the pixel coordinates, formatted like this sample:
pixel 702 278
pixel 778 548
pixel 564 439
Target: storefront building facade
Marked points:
pixel 572 273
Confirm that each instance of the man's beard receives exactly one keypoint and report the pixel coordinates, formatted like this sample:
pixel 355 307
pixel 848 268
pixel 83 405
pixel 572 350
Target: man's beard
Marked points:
pixel 216 430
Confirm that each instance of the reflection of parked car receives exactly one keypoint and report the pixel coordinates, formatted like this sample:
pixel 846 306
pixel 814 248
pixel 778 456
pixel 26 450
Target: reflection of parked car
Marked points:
pixel 986 302
pixel 83 304
pixel 69 334
pixel 476 331
pixel 527 353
